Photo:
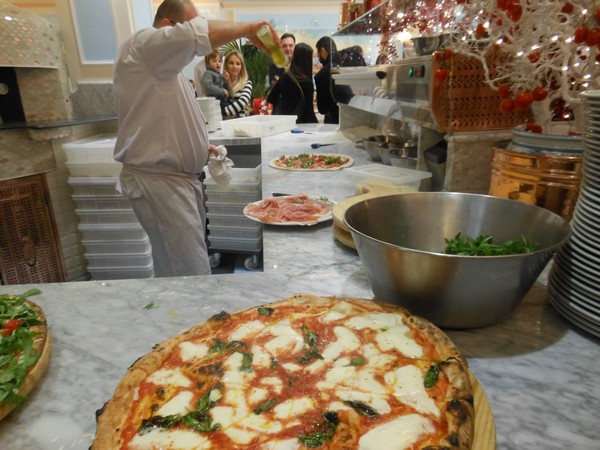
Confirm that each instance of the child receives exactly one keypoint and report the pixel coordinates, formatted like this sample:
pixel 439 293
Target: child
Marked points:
pixel 213 83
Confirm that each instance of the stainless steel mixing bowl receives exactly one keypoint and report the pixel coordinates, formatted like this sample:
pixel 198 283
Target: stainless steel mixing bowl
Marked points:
pixel 400 239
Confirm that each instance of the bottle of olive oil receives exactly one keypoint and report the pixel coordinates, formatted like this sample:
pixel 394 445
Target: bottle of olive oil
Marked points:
pixel 280 59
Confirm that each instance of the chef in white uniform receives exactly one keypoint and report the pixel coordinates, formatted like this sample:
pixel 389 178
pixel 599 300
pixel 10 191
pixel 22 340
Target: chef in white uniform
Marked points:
pixel 162 139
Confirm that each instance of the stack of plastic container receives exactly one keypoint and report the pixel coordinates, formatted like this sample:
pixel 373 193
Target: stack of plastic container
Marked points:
pixel 116 246
pixel 229 231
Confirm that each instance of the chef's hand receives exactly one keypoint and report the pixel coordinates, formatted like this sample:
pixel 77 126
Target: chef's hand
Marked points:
pixel 212 150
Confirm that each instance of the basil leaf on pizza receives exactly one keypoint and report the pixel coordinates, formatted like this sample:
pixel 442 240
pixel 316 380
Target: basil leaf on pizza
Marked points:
pixel 324 372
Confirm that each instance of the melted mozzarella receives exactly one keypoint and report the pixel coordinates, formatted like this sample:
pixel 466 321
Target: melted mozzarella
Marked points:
pixel 286 339
pixel 233 374
pixel 180 404
pixel 240 436
pixel 292 367
pixel 377 402
pixel 339 311
pixel 346 341
pixel 260 358
pixel 397 338
pixel 392 333
pixel 336 376
pixel 171 377
pixel 245 330
pixel 223 415
pixel 397 434
pixel 275 383
pixel 288 444
pixel 293 407
pixel 259 423
pixel 408 384
pixel 374 321
pixel 169 440
pixel 189 351
pixel 257 395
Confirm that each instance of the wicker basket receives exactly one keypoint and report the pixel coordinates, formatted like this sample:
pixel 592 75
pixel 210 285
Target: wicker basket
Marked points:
pixel 464 102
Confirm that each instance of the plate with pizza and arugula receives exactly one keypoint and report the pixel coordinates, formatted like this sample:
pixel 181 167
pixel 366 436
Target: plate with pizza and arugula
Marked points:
pixel 24 348
pixel 312 162
pixel 303 372
pixel 287 210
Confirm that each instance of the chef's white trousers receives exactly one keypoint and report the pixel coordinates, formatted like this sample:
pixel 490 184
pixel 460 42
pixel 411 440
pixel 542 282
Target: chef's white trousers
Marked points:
pixel 170 209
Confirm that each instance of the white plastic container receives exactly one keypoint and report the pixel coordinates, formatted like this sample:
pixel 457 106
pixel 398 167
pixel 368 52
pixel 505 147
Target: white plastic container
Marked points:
pixel 246 187
pixel 241 245
pixel 107 216
pixel 94 149
pixel 238 175
pixel 258 126
pixel 121 273
pixel 112 232
pixel 93 186
pixel 387 176
pixel 239 221
pixel 123 246
pixel 225 209
pixel 101 202
pixel 234 233
pixel 104 169
pixel 96 260
pixel 232 197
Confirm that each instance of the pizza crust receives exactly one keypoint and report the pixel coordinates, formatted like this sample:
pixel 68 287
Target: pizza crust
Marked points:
pixel 459 409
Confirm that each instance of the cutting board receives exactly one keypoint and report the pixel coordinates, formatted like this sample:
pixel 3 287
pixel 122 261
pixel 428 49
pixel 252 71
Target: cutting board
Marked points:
pixel 37 370
pixel 484 437
pixel 340 231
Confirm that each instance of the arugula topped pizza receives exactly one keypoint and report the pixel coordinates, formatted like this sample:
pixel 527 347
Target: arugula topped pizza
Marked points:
pixel 23 339
pixel 304 372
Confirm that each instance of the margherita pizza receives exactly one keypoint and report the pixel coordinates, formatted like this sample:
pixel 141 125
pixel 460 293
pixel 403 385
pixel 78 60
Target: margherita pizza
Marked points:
pixel 298 209
pixel 304 372
pixel 312 162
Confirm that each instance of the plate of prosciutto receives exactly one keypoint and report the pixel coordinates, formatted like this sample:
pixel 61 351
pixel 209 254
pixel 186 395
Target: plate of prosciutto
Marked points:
pixel 300 209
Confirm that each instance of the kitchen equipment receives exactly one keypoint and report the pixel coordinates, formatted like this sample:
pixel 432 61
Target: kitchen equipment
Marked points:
pixel 319 145
pixel 400 154
pixel 435 160
pixel 372 144
pixel 400 240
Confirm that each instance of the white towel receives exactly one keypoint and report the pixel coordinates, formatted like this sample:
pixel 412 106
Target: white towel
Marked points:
pixel 220 166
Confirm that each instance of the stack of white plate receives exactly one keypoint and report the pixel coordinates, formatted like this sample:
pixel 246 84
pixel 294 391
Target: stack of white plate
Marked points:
pixel 211 108
pixel 574 282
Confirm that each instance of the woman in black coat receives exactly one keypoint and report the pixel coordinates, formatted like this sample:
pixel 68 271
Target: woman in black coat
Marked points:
pixel 294 92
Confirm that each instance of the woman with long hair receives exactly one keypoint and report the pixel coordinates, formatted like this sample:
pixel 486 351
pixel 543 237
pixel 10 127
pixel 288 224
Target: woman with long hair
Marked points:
pixel 240 94
pixel 294 92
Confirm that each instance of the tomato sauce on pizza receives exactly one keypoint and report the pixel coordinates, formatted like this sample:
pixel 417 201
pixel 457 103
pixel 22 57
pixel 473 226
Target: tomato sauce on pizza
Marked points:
pixel 304 372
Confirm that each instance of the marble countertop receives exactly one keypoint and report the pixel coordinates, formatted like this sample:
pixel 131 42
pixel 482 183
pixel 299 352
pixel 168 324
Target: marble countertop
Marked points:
pixel 540 373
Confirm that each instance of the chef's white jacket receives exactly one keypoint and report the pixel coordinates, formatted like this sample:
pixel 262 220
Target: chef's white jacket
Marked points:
pixel 163 143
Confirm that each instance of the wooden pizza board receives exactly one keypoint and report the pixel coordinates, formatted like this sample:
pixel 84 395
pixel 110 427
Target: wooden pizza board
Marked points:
pixel 485 429
pixel 340 231
pixel 36 371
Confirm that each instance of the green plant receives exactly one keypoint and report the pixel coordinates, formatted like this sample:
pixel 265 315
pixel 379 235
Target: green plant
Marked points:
pixel 257 65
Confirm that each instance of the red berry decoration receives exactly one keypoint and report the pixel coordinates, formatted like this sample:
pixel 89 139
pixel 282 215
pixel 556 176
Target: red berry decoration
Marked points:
pixel 567 8
pixel 503 90
pixel 580 35
pixel 539 93
pixel 507 106
pixel 480 30
pixel 440 75
pixel 523 100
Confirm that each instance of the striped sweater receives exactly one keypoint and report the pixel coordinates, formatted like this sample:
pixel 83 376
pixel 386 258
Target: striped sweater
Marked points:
pixel 240 101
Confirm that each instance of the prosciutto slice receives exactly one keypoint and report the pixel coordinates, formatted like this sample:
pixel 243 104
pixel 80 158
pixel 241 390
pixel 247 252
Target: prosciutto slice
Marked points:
pixel 301 209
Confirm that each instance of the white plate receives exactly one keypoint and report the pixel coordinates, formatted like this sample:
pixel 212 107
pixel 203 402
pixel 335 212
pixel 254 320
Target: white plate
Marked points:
pixel 321 219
